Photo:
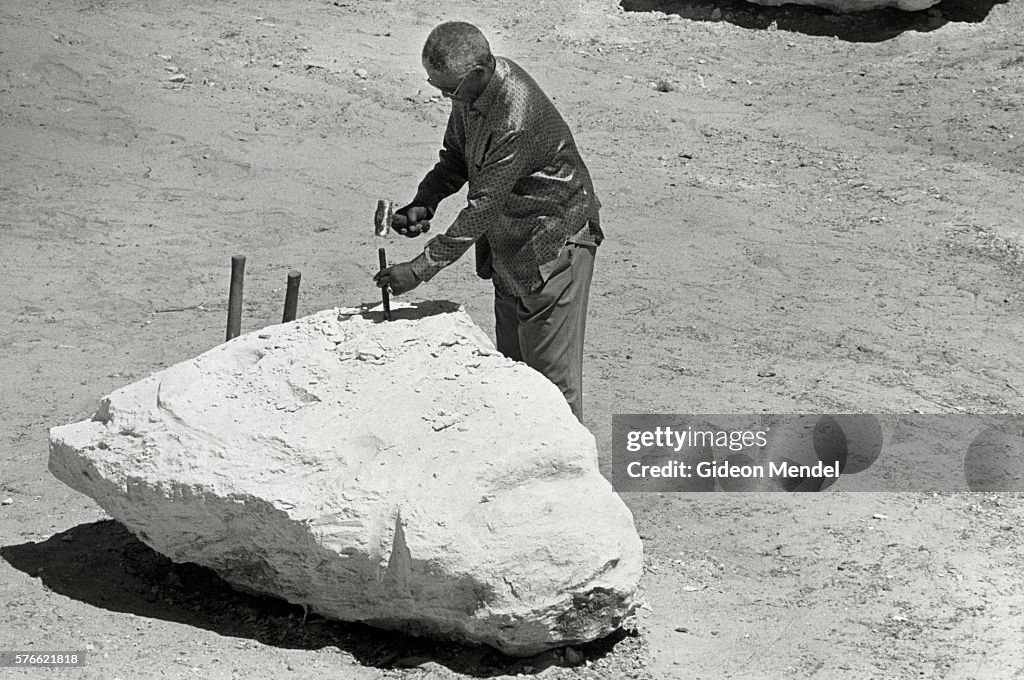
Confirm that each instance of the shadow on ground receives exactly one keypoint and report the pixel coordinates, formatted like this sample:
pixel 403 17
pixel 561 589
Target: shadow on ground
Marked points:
pixel 104 565
pixel 403 311
pixel 873 26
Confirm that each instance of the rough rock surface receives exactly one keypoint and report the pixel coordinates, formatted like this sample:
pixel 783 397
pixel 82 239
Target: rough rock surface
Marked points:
pixel 402 474
pixel 850 6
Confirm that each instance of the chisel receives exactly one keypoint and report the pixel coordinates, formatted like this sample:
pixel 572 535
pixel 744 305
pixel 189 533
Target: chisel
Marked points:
pixel 384 291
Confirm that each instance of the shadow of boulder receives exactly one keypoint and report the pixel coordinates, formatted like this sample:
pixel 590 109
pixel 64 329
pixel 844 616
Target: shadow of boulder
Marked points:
pixel 872 26
pixel 106 566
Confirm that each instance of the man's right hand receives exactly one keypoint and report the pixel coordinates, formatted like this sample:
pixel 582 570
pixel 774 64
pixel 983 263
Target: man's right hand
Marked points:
pixel 412 220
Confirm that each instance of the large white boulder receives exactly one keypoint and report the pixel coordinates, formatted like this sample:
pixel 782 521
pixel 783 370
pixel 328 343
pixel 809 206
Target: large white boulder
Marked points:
pixel 401 473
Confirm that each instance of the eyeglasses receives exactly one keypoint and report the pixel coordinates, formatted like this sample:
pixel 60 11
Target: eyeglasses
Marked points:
pixel 451 93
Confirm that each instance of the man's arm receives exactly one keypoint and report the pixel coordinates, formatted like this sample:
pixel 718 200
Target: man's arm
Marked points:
pixel 448 174
pixel 504 164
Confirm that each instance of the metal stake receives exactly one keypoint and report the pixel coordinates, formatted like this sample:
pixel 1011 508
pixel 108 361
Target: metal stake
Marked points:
pixel 291 298
pixel 235 296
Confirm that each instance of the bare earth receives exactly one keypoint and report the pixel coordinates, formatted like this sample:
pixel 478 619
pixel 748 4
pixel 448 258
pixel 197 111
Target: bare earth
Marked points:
pixel 808 214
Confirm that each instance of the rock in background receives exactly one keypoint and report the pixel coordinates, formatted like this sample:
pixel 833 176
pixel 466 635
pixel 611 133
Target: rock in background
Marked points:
pixel 402 473
pixel 849 6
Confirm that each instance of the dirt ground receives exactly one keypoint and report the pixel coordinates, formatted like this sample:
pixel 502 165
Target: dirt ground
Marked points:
pixel 806 213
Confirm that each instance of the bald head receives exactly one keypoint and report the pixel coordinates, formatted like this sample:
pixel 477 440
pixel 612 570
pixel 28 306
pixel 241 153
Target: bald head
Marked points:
pixel 454 48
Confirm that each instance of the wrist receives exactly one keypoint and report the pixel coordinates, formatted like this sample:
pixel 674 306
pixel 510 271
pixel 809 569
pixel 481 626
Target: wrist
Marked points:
pixel 421 268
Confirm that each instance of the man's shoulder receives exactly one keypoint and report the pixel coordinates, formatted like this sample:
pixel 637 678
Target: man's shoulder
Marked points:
pixel 517 85
pixel 512 71
pixel 508 63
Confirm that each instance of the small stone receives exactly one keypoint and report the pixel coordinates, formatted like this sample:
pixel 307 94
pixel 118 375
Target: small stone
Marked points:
pixel 573 656
pixel 178 78
pixel 716 15
pixel 433 668
pixel 7 501
pixel 361 73
pixel 369 353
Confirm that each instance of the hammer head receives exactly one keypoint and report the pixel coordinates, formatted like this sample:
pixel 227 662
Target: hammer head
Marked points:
pixel 382 217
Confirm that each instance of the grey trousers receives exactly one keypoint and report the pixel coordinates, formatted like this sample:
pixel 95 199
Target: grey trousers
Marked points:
pixel 545 329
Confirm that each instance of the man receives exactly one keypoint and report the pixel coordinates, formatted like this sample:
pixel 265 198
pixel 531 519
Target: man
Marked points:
pixel 531 208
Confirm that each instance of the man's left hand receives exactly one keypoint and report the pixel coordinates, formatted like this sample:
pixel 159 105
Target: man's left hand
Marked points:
pixel 399 277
